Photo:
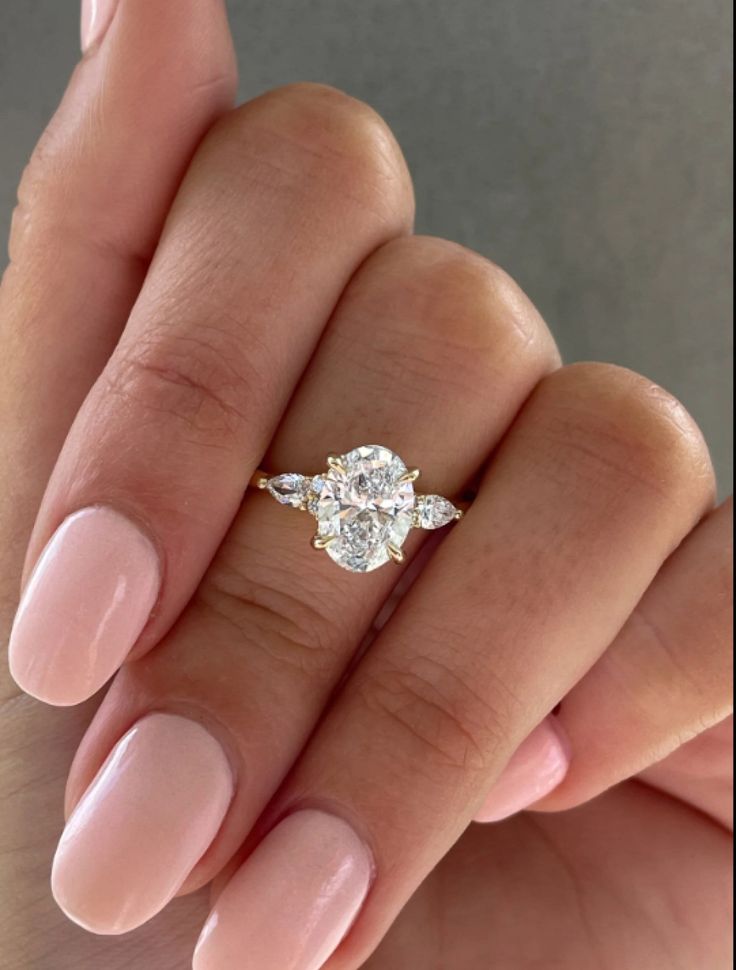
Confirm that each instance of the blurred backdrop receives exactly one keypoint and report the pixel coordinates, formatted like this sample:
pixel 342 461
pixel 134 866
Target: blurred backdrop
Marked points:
pixel 584 145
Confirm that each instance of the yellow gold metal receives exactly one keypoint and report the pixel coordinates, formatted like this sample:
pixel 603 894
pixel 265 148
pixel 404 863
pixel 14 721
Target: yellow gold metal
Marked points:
pixel 322 542
pixel 334 461
pixel 259 479
pixel 395 553
pixel 410 475
pixel 459 514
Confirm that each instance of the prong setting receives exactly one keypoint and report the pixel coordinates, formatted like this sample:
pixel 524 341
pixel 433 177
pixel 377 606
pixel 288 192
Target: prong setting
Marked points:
pixel 322 542
pixel 395 554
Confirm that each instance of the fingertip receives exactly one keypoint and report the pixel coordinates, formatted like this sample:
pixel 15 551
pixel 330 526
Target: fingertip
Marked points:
pixel 96 16
pixel 538 766
pixel 84 606
pixel 151 812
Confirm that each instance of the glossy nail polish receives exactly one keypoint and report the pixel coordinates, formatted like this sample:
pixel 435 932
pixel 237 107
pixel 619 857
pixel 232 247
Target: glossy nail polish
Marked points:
pixel 536 769
pixel 292 901
pixel 96 17
pixel 84 607
pixel 142 825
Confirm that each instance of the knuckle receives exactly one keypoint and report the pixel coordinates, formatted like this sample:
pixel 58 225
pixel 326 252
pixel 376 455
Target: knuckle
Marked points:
pixel 468 321
pixel 43 222
pixel 315 134
pixel 478 302
pixel 38 213
pixel 20 223
pixel 43 177
pixel 439 717
pixel 638 428
pixel 200 379
pixel 686 683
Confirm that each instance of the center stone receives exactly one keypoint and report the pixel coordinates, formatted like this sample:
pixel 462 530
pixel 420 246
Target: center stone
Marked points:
pixel 366 507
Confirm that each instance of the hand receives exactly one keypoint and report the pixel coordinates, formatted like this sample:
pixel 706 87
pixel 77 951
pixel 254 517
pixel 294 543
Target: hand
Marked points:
pixel 286 312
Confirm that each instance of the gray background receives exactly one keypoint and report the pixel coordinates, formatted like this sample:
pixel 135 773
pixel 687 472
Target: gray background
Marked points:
pixel 585 145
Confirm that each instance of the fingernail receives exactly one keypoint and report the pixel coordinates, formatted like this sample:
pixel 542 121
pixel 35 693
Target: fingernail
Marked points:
pixel 292 901
pixel 84 607
pixel 536 769
pixel 96 17
pixel 142 825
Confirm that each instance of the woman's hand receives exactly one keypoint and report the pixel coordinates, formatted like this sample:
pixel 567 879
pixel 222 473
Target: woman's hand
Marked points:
pixel 284 310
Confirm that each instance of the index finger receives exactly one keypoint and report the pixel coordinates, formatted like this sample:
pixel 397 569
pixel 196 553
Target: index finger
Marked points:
pixel 92 203
pixel 285 198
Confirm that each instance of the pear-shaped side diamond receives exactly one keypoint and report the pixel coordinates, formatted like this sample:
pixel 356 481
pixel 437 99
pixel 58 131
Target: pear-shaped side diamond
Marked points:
pixel 434 511
pixel 290 489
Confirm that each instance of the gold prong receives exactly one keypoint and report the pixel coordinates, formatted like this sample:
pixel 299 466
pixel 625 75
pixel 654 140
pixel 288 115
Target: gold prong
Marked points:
pixel 335 461
pixel 322 542
pixel 395 553
pixel 459 514
pixel 259 479
pixel 410 475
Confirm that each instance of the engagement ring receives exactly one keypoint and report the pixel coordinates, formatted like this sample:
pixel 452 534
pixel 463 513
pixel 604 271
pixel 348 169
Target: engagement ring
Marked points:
pixel 364 503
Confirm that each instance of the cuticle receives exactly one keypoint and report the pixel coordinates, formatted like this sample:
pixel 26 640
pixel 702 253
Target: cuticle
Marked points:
pixel 144 527
pixel 329 807
pixel 200 715
pixel 131 516
pixel 562 736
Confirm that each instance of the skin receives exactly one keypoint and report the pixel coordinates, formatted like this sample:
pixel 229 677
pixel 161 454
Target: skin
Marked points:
pixel 591 572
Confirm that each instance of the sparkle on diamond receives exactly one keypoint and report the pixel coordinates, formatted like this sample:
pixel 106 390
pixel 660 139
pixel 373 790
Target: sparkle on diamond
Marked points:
pixel 289 489
pixel 434 511
pixel 366 507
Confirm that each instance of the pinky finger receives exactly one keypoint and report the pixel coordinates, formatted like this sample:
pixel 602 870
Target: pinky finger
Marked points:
pixel 664 681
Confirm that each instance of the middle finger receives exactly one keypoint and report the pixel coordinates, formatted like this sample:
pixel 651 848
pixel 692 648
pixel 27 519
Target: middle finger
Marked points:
pixel 284 199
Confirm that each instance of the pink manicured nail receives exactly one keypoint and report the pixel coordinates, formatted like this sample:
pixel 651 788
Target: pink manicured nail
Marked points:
pixel 142 825
pixel 96 17
pixel 292 902
pixel 84 607
pixel 536 769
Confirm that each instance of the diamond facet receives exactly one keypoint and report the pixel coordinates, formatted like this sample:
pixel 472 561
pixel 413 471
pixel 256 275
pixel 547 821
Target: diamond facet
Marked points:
pixel 434 511
pixel 315 489
pixel 365 506
pixel 289 489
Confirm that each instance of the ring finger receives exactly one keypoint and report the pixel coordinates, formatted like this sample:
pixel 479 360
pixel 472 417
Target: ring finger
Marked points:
pixel 591 490
pixel 421 334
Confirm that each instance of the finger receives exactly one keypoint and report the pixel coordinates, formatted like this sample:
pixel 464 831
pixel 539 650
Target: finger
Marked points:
pixel 285 197
pixel 274 624
pixel 92 202
pixel 700 773
pixel 517 603
pixel 665 678
pixel 497 882
pixel 536 768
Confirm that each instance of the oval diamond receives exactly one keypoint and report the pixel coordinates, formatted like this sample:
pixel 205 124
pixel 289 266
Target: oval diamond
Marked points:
pixel 365 506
